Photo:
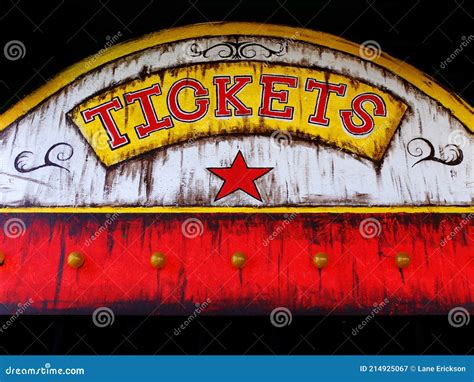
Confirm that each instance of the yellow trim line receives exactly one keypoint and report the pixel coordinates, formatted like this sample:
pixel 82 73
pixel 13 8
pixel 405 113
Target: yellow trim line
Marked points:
pixel 245 210
pixel 458 107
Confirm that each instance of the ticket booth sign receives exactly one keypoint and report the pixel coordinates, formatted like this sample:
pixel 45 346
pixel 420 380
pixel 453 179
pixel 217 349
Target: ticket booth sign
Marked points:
pixel 245 166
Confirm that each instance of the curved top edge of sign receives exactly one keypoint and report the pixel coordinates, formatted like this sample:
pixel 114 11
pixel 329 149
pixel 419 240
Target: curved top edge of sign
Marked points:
pixel 459 108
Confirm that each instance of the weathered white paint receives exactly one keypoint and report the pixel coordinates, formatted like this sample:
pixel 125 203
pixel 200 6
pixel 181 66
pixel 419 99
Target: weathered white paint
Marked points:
pixel 304 174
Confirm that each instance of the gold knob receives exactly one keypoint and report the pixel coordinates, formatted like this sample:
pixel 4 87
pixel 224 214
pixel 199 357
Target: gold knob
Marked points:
pixel 402 260
pixel 75 260
pixel 158 260
pixel 238 260
pixel 2 258
pixel 320 260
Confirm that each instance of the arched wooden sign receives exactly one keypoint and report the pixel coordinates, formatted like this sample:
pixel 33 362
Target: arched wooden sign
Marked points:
pixel 242 165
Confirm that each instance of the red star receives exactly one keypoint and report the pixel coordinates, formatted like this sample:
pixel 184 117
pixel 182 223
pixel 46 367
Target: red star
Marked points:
pixel 239 177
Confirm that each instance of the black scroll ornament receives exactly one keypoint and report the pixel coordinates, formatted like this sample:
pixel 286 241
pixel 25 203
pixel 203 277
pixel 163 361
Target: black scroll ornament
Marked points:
pixel 236 50
pixel 21 160
pixel 450 155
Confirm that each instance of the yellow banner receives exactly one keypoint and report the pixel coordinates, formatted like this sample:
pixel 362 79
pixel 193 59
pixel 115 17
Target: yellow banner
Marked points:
pixel 188 103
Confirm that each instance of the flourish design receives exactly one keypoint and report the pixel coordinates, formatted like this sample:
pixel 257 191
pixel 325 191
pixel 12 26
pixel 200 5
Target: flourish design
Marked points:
pixel 236 50
pixel 450 155
pixel 62 155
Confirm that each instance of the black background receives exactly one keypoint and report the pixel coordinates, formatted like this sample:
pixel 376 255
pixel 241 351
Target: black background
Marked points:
pixel 57 34
pixel 236 335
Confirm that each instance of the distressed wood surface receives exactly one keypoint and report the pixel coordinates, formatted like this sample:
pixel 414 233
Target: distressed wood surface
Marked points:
pixel 361 270
pixel 305 173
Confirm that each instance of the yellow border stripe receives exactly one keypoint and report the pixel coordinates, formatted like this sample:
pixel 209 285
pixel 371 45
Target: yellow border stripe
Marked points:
pixel 245 210
pixel 458 107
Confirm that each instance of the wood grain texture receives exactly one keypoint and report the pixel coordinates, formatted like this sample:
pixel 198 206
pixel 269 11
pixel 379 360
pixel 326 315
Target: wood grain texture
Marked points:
pixel 305 174
pixel 279 272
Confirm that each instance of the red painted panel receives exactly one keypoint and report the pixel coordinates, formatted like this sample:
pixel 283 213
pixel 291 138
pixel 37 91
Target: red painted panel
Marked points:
pixel 279 272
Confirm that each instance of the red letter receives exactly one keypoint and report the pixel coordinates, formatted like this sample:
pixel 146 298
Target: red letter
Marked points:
pixel 269 94
pixel 367 121
pixel 103 111
pixel 227 96
pixel 153 124
pixel 201 104
pixel 325 88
